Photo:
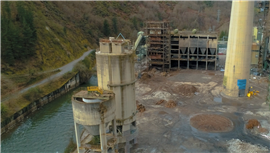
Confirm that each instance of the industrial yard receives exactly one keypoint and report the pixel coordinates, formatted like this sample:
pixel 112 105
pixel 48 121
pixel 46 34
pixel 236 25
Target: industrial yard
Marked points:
pixel 185 96
pixel 163 129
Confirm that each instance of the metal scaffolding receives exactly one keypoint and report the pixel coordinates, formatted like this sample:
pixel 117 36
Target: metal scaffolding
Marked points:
pixel 186 50
pixel 158 40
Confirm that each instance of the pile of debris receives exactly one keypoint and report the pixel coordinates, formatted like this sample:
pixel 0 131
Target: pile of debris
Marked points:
pixel 170 104
pixel 161 101
pixel 252 123
pixel 186 89
pixel 145 76
pixel 140 108
pixel 255 127
pixel 153 70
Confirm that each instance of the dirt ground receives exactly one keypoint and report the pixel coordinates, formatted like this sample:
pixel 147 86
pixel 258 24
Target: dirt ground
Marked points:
pixel 165 129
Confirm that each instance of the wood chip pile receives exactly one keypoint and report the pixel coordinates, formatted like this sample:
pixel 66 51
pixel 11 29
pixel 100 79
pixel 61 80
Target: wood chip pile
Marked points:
pixel 186 90
pixel 170 104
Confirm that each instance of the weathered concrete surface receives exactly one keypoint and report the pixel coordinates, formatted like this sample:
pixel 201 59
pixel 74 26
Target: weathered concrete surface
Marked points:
pixel 168 129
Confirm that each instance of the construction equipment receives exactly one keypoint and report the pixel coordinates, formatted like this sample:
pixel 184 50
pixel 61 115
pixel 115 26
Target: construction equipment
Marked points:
pixel 94 88
pixel 251 93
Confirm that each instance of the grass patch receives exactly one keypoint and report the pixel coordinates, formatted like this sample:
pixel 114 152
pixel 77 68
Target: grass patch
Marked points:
pixel 11 83
pixel 95 140
pixel 4 109
pixel 22 100
pixel 85 66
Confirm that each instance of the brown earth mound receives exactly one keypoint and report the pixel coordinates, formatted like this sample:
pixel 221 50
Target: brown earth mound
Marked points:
pixel 153 70
pixel 160 102
pixel 145 76
pixel 252 123
pixel 211 123
pixel 140 108
pixel 186 90
pixel 170 104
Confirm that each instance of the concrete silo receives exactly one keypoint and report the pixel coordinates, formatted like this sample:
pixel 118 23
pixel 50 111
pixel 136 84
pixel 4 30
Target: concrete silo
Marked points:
pixel 108 112
pixel 94 112
pixel 115 71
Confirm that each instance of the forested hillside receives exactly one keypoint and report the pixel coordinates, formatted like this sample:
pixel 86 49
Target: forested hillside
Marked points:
pixel 45 35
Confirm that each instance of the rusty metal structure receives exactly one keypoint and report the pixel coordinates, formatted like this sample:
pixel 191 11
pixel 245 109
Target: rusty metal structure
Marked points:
pixel 179 49
pixel 264 53
pixel 158 43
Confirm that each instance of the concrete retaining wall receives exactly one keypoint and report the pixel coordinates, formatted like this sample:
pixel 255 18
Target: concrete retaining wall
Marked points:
pixel 19 116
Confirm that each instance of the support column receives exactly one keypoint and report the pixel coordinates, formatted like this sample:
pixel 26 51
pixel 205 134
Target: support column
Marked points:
pixel 103 141
pixel 135 141
pixel 77 134
pixel 115 135
pixel 127 149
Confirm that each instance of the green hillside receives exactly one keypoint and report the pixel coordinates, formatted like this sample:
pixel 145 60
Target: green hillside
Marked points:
pixel 39 36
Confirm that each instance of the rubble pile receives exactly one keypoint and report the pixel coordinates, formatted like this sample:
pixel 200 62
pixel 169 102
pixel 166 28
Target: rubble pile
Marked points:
pixel 170 104
pixel 161 101
pixel 238 146
pixel 263 130
pixel 255 127
pixel 252 123
pixel 153 70
pixel 186 90
pixel 145 76
pixel 140 108
pixel 164 73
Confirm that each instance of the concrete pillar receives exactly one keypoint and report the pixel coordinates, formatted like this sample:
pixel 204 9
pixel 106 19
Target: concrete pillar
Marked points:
pixel 237 68
pixel 103 141
pixel 78 141
pixel 127 147
pixel 135 141
pixel 115 135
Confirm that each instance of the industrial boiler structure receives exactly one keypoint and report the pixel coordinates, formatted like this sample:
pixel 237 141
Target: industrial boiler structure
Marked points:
pixel 180 49
pixel 108 112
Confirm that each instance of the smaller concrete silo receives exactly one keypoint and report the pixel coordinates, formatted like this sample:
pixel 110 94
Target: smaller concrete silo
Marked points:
pixel 94 111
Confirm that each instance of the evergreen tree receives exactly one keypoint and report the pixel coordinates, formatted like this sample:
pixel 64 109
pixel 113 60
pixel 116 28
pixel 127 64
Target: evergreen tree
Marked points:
pixel 9 58
pixel 106 29
pixel 209 3
pixel 6 8
pixel 15 41
pixel 18 33
pixel 28 41
pixel 134 21
pixel 114 22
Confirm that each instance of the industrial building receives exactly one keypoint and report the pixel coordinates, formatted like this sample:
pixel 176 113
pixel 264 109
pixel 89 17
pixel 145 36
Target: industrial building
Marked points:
pixel 180 49
pixel 108 112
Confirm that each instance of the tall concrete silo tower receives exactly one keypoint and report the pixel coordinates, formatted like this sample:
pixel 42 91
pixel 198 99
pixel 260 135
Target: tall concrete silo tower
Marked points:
pixel 108 112
pixel 237 68
pixel 115 71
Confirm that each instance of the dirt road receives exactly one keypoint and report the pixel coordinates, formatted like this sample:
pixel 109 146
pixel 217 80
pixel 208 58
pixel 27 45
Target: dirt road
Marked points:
pixel 64 69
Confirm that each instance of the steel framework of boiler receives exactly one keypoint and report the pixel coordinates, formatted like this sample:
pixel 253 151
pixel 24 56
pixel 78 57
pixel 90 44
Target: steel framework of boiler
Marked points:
pixel 183 49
